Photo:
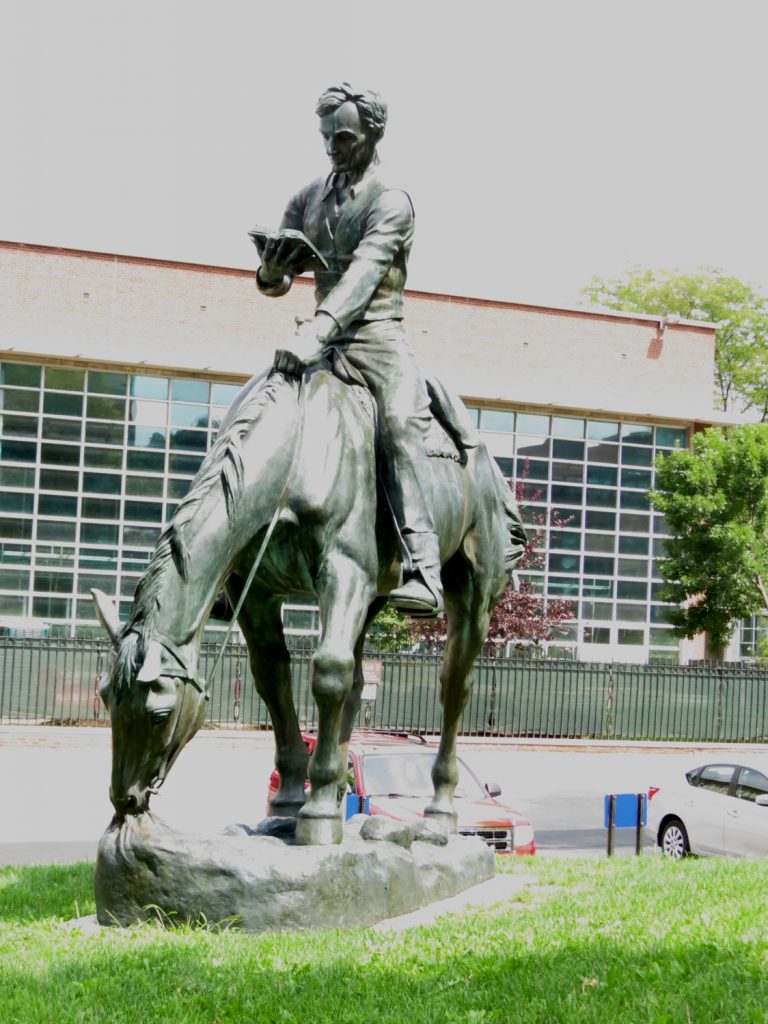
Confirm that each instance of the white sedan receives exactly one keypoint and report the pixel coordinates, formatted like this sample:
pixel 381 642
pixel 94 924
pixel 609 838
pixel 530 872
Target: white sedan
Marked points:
pixel 717 809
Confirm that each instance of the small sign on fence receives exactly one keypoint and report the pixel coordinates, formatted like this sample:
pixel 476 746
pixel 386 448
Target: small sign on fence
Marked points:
pixel 371 678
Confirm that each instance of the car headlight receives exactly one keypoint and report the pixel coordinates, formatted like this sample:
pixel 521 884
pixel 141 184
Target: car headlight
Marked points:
pixel 523 835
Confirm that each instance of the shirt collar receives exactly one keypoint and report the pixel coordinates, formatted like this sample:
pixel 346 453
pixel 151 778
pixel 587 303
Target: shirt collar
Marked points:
pixel 354 188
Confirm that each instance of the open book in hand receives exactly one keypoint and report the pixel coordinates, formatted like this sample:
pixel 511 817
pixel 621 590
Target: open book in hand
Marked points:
pixel 309 258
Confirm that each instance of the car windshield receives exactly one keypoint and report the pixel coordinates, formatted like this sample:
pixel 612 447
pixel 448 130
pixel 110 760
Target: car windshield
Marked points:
pixel 408 774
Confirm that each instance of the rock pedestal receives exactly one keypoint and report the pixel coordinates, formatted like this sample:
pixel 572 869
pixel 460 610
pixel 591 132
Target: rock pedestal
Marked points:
pixel 145 870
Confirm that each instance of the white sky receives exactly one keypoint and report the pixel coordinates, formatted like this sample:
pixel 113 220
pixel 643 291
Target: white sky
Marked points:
pixel 542 142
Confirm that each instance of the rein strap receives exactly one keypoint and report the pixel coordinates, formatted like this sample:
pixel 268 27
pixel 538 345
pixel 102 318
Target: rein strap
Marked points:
pixel 267 537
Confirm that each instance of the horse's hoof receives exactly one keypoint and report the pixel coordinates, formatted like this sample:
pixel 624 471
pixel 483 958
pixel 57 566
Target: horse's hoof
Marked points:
pixel 318 831
pixel 448 819
pixel 285 809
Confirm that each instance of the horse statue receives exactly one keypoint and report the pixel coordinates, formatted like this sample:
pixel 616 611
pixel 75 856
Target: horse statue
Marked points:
pixel 297 458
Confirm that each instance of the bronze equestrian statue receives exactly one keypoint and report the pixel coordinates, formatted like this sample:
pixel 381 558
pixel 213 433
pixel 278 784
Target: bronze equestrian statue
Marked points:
pixel 324 462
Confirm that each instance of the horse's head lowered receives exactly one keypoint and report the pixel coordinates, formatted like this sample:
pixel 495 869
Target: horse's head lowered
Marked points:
pixel 156 705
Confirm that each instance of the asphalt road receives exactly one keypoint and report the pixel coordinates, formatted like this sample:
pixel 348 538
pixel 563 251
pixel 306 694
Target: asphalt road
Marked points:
pixel 54 784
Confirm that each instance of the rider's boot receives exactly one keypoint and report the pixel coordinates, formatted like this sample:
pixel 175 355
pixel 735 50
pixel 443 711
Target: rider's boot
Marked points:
pixel 421 595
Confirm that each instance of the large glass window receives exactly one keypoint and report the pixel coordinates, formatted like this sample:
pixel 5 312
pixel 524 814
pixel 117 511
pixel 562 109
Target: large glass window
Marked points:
pixel 19 426
pixel 16 476
pixel 600 430
pixel 93 461
pixel 58 480
pixel 62 404
pixel 17 452
pixel 104 382
pixel 64 378
pixel 24 375
pixel 12 400
pixel 497 419
pixel 567 449
pixel 567 426
pixel 149 387
pixel 22 502
pixel 184 390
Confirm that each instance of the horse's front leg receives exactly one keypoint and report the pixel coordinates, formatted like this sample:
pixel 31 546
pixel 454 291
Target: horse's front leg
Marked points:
pixel 344 595
pixel 467 609
pixel 261 623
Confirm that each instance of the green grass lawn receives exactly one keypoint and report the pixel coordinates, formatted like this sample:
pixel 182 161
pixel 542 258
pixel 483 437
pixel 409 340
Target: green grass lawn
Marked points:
pixel 605 941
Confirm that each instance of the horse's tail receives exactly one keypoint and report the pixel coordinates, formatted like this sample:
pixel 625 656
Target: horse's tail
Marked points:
pixel 516 537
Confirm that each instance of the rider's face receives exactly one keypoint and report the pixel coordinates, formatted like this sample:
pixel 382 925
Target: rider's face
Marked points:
pixel 345 139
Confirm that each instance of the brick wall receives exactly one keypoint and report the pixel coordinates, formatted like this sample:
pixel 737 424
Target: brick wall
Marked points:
pixel 67 305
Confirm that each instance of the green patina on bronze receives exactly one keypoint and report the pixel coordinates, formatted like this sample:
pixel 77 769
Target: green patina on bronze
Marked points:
pixel 342 420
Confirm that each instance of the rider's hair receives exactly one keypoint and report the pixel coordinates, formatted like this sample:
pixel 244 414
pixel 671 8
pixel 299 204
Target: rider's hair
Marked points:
pixel 370 106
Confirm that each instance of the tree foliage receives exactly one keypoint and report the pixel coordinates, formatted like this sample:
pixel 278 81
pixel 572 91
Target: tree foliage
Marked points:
pixel 715 499
pixel 741 315
pixel 390 631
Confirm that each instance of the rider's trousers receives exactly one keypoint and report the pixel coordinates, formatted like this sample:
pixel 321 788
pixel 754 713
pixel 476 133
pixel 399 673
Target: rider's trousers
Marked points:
pixel 381 354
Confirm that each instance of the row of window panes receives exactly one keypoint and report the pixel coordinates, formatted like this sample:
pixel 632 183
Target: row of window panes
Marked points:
pixel 56 455
pixel 596 520
pixel 539 425
pixel 51 607
pixel 657 636
pixel 627 544
pixel 69 482
pixel 599 587
pixel 601 565
pixel 578 497
pixel 66 531
pixel 601 466
pixel 575 474
pixel 536 424
pixel 104 382
pixel 61 419
pixel 70 507
pixel 153 438
pixel 534 449
pixel 70 559
pixel 576 543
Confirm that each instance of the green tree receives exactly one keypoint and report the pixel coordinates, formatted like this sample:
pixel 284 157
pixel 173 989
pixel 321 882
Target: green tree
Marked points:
pixel 741 315
pixel 390 631
pixel 715 499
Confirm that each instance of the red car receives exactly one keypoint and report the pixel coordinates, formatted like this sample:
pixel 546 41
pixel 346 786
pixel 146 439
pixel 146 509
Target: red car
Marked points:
pixel 390 774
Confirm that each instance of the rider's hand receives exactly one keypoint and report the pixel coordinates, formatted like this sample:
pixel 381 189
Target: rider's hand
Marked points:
pixel 281 257
pixel 304 348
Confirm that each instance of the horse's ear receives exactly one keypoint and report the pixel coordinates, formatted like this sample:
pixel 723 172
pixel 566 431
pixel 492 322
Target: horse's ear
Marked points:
pixel 107 614
pixel 152 666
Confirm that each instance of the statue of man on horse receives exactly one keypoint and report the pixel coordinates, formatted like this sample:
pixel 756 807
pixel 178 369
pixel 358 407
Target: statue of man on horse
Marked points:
pixel 363 229
pixel 289 502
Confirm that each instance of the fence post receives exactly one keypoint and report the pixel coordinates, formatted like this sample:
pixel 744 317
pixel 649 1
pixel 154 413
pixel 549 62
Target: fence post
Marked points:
pixel 611 823
pixel 491 722
pixel 609 706
pixel 639 824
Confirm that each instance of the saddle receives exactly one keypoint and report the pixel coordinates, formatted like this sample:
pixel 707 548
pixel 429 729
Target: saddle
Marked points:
pixel 451 434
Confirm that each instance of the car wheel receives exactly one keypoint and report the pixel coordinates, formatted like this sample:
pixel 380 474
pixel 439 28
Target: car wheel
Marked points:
pixel 674 840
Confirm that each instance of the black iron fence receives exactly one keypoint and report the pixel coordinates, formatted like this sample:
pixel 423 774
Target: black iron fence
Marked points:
pixel 56 681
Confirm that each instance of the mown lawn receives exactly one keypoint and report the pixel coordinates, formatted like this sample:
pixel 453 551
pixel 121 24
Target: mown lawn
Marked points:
pixel 600 941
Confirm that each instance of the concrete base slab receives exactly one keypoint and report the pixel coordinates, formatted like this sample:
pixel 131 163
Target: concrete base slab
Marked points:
pixel 486 894
pixel 145 870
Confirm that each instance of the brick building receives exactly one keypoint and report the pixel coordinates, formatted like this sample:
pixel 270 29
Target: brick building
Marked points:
pixel 116 370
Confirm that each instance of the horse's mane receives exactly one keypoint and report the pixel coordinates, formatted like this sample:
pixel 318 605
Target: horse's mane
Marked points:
pixel 223 464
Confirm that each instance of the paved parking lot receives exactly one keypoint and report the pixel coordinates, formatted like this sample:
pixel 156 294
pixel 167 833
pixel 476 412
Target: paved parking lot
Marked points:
pixel 54 783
